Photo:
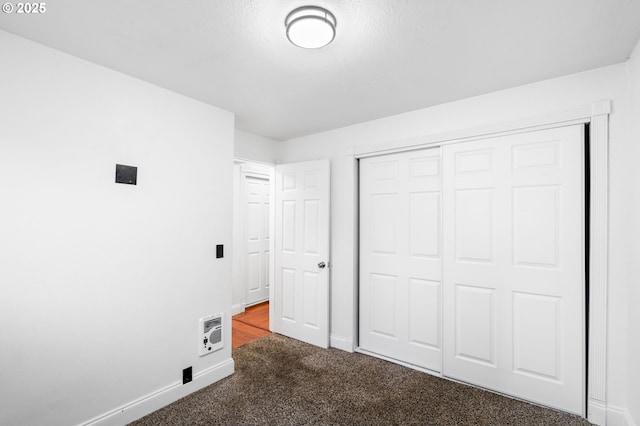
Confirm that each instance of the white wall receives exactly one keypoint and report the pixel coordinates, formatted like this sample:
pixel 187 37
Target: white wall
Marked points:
pixel 530 101
pixel 634 225
pixel 102 284
pixel 249 146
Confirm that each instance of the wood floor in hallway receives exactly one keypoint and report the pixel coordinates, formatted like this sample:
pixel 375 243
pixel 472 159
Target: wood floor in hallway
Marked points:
pixel 250 325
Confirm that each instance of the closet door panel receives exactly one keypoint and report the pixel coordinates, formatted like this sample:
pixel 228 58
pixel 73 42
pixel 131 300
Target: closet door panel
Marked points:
pixel 513 251
pixel 400 257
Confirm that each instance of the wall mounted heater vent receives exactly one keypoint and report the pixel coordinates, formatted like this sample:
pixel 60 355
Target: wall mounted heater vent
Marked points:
pixel 211 338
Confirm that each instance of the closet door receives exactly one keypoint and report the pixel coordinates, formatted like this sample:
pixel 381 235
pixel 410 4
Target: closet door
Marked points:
pixel 514 265
pixel 400 257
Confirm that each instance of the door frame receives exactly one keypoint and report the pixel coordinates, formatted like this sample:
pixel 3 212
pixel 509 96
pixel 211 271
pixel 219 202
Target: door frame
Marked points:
pixel 597 116
pixel 259 170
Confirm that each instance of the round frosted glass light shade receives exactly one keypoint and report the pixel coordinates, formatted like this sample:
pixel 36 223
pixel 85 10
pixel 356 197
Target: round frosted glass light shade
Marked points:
pixel 311 27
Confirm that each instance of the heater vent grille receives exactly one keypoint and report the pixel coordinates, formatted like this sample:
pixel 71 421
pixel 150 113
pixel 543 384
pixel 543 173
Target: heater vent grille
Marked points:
pixel 211 334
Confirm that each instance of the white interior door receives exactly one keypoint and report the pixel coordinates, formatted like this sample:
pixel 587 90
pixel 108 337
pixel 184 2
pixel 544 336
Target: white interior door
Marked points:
pixel 514 265
pixel 400 257
pixel 300 302
pixel 256 238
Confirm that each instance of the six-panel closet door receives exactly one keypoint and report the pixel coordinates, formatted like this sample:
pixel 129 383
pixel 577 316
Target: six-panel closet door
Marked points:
pixel 400 257
pixel 514 265
pixel 472 263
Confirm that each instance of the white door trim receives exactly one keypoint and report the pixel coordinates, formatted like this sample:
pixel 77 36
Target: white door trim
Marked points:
pixel 598 264
pixel 565 118
pixel 259 170
pixel 597 114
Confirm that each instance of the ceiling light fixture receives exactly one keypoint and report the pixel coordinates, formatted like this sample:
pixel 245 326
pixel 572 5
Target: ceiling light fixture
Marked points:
pixel 310 27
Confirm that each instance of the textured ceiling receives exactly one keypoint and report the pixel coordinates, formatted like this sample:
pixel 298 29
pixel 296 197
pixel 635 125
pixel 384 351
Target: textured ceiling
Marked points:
pixel 389 56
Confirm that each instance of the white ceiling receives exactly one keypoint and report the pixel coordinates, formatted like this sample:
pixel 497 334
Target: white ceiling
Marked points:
pixel 389 56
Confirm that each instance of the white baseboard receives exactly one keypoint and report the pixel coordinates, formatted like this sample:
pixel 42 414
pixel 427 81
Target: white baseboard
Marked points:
pixel 597 413
pixel 629 418
pixel 162 397
pixel 340 342
pixel 602 415
pixel 238 308
pixel 617 416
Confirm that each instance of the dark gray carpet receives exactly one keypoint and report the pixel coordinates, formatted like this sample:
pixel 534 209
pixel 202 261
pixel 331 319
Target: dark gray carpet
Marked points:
pixel 281 381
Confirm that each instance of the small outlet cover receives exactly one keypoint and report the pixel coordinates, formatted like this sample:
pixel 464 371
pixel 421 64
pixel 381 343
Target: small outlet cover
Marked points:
pixel 187 375
pixel 126 174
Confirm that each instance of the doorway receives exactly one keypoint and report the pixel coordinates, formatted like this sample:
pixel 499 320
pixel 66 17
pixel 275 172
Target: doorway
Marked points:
pixel 290 201
pixel 251 234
